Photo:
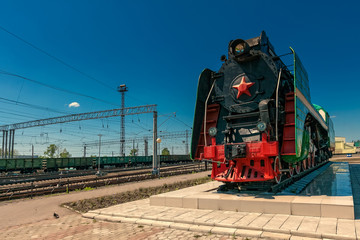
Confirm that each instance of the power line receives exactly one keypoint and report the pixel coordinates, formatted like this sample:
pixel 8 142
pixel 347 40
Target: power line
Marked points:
pixel 31 105
pixel 56 58
pixel 56 88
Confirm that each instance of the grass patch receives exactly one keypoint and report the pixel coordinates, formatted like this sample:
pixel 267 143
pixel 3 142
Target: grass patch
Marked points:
pixel 138 194
pixel 83 189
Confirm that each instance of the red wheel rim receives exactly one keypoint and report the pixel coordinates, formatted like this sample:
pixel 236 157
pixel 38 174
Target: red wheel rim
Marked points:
pixel 305 164
pixel 291 171
pixel 277 170
pixel 309 161
pixel 298 168
pixel 313 160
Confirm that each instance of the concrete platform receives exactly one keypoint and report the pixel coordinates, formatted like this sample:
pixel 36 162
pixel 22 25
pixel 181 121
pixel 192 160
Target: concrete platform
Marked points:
pixel 243 224
pixel 336 202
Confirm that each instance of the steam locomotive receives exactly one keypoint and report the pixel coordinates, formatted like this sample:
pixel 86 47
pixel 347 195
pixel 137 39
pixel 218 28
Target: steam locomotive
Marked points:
pixel 254 119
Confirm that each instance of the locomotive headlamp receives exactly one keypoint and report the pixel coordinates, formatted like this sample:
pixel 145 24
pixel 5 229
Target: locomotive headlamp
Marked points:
pixel 238 47
pixel 261 126
pixel 212 131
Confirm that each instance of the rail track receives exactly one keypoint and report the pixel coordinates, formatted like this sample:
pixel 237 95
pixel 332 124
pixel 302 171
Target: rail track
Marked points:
pixel 23 178
pixel 36 188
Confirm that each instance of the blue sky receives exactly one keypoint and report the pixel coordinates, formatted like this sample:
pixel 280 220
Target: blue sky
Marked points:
pixel 159 48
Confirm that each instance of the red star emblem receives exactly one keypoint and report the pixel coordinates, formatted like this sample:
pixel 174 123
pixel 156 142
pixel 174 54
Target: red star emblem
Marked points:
pixel 243 87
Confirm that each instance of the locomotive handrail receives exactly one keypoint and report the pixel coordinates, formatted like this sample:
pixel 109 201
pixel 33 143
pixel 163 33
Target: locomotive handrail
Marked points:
pixel 205 113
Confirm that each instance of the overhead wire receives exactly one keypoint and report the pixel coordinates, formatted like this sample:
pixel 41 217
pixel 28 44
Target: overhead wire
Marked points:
pixel 56 88
pixel 56 58
pixel 31 105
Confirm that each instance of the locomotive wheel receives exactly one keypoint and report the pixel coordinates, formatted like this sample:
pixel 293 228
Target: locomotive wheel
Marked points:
pixel 309 162
pixel 277 170
pixel 291 171
pixel 298 168
pixel 313 164
pixel 305 164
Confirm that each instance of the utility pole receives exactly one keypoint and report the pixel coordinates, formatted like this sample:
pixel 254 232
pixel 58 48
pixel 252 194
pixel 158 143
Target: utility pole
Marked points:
pixel 84 150
pixel 134 147
pixel 98 172
pixel 122 89
pixel 155 170
pixel 186 142
pixel 3 144
pixel 11 147
pixel 32 151
pixel 146 144
pixel 6 141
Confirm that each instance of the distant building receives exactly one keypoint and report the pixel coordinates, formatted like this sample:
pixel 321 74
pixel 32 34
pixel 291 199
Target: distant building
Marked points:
pixel 342 147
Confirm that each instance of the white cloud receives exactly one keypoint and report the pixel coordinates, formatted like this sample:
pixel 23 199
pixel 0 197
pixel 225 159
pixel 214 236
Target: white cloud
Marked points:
pixel 74 104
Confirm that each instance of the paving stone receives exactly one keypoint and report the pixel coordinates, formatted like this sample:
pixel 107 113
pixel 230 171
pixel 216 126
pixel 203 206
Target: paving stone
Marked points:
pixel 335 236
pixel 181 226
pixel 224 231
pixel 157 200
pixel 129 220
pixel 260 221
pixel 197 228
pixel 272 235
pixel 303 238
pixel 346 228
pixel 248 233
pixel 161 224
pixel 275 223
pixel 115 219
pixel 292 223
pixel 357 228
pixel 102 217
pixel 246 219
pixel 216 219
pixel 327 225
pixel 144 222
pixel 309 224
pixel 203 221
pixel 305 234
pixel 228 222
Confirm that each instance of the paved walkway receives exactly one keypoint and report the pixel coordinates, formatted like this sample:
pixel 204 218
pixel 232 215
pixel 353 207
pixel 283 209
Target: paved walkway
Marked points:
pixel 243 224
